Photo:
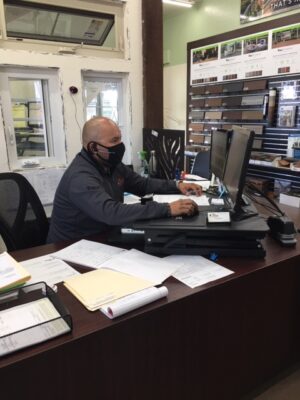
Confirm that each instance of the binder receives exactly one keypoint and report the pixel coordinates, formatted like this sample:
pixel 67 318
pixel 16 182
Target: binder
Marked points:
pixel 30 315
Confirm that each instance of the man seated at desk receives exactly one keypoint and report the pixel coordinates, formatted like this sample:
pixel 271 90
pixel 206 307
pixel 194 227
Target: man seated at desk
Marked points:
pixel 89 197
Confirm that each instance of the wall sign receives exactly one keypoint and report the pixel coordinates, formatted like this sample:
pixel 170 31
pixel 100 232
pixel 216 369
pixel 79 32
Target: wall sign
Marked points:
pixel 268 53
pixel 252 10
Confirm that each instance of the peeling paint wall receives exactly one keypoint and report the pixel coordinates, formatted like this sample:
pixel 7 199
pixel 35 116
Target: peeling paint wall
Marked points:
pixel 70 73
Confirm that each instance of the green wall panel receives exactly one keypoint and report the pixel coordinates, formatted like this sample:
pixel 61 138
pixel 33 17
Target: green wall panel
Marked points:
pixel 206 18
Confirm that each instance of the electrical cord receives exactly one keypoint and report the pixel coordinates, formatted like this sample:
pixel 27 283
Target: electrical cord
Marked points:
pixel 76 117
pixel 254 199
pixel 272 202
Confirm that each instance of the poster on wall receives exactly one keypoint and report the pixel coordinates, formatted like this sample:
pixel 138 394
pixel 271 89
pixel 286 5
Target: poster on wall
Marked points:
pixel 204 64
pixel 270 53
pixel 286 49
pixel 252 10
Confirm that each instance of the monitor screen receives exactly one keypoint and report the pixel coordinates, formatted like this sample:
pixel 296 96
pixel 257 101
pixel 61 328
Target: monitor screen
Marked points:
pixel 236 165
pixel 218 152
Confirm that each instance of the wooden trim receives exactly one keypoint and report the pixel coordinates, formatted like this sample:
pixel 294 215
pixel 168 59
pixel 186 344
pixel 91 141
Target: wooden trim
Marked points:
pixel 152 16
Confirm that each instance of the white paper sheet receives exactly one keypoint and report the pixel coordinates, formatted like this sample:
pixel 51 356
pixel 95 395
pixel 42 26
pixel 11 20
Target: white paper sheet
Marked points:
pixel 8 271
pixel 197 270
pixel 133 301
pixel 87 253
pixel 130 198
pixel 169 198
pixel 45 182
pixel 142 265
pixel 203 183
pixel 25 316
pixel 48 269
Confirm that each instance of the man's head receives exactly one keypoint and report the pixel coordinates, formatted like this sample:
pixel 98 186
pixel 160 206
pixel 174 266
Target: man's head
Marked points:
pixel 101 137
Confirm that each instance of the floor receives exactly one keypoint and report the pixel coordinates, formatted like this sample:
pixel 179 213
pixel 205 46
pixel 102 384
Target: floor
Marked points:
pixel 284 387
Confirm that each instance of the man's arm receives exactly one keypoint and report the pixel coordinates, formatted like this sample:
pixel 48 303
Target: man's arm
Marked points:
pixel 140 186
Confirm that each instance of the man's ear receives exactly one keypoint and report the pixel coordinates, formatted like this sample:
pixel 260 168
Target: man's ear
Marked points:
pixel 92 147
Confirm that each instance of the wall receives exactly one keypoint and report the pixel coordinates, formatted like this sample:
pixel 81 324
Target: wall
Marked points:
pixel 206 18
pixel 70 70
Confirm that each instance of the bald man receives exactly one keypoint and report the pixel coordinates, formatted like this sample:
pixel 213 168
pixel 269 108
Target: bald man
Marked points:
pixel 89 197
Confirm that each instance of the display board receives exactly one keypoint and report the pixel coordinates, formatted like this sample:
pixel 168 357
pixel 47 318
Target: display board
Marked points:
pixel 266 53
pixel 249 77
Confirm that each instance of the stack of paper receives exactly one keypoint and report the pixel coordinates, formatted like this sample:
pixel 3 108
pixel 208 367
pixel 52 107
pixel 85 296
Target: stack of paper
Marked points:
pixel 48 269
pixel 142 265
pixel 87 253
pixel 96 288
pixel 11 272
pixel 194 271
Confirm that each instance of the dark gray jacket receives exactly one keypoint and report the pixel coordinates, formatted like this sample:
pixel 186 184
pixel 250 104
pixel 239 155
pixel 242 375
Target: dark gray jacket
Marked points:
pixel 89 199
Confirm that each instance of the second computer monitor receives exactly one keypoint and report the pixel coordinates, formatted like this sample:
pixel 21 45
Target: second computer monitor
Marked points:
pixel 218 152
pixel 237 163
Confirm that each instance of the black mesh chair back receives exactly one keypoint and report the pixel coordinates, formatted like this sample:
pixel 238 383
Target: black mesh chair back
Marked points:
pixel 169 150
pixel 23 222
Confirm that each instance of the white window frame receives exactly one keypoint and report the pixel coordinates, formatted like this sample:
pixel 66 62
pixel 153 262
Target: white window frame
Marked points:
pixel 114 7
pixel 121 80
pixel 55 119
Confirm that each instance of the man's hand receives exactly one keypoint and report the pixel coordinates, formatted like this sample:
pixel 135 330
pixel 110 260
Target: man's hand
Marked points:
pixel 183 207
pixel 190 189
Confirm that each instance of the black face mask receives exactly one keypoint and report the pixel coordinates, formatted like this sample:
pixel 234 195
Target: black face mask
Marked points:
pixel 115 154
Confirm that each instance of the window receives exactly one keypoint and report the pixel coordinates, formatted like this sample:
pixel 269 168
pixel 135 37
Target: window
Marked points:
pixel 32 111
pixel 104 96
pixel 29 20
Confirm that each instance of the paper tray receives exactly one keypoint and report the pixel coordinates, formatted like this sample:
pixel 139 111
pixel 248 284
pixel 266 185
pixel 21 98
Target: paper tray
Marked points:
pixel 29 315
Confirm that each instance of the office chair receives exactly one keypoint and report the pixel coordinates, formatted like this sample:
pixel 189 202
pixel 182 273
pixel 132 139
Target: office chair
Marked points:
pixel 23 222
pixel 201 164
pixel 169 150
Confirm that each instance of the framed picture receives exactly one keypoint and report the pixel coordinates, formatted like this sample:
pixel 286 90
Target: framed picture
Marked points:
pixel 286 116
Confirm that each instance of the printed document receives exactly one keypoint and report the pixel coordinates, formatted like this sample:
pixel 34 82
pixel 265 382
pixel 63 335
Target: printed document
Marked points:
pixel 197 270
pixel 48 269
pixel 37 317
pixel 142 265
pixel 88 253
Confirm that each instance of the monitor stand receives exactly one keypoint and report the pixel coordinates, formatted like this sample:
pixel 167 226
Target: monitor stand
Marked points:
pixel 189 243
pixel 247 210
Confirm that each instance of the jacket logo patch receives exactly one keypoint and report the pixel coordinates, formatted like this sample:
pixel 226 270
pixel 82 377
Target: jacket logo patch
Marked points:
pixel 120 181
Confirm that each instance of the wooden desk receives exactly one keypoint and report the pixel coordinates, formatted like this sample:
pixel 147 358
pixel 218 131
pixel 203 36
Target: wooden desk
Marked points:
pixel 218 341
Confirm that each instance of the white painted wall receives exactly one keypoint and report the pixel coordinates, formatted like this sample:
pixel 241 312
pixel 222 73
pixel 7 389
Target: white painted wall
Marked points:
pixel 175 96
pixel 70 70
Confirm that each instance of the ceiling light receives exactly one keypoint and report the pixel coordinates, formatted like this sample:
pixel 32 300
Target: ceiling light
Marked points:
pixel 181 3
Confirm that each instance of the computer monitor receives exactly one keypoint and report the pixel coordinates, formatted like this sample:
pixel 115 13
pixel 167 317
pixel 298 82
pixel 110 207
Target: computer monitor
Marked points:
pixel 236 169
pixel 218 152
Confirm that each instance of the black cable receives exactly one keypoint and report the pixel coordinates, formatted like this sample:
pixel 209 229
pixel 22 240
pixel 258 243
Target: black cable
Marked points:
pixel 255 189
pixel 254 199
pixel 76 117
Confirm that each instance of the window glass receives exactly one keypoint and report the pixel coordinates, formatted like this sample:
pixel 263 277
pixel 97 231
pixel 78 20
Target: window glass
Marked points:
pixel 103 98
pixel 59 24
pixel 32 115
pixel 29 123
